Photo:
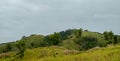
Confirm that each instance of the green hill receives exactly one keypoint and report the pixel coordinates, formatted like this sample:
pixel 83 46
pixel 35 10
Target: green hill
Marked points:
pixel 35 40
pixel 68 45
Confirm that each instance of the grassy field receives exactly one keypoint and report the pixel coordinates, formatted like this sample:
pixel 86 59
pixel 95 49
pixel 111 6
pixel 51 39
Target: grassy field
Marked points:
pixel 55 53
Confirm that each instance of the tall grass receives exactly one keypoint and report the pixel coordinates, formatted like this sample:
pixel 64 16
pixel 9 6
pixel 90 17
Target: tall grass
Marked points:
pixel 54 53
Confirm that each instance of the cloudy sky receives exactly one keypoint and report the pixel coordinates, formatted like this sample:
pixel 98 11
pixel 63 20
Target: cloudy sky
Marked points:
pixel 25 17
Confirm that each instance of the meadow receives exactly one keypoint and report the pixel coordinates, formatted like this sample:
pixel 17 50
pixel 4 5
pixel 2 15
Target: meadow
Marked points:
pixel 55 53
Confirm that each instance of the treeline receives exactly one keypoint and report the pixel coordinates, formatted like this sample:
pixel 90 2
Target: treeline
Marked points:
pixel 78 39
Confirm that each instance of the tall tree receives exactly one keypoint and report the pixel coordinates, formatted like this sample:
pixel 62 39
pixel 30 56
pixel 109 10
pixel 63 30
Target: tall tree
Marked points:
pixel 110 35
pixel 21 47
pixel 78 33
pixel 115 39
pixel 8 47
pixel 53 39
pixel 106 35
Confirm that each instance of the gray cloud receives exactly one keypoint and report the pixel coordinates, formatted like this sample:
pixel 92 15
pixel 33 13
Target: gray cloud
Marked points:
pixel 25 17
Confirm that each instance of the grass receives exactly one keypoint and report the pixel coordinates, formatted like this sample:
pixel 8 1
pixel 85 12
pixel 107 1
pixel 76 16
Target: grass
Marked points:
pixel 55 53
pixel 111 53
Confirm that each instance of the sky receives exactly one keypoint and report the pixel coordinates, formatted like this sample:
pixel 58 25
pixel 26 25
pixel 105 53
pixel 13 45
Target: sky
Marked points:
pixel 26 17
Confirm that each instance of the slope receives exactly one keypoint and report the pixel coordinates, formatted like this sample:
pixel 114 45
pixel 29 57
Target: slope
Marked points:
pixel 55 53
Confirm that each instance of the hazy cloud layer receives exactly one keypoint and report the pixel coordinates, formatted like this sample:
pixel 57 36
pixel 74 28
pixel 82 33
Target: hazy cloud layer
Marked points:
pixel 25 17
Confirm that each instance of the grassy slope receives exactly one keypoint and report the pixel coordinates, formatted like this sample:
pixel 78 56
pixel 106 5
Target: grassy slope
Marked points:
pixel 37 40
pixel 110 53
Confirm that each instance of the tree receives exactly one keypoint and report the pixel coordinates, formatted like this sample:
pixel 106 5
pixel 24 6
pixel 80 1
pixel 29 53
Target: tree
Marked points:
pixel 110 35
pixel 115 39
pixel 8 47
pixel 78 33
pixel 53 39
pixel 87 42
pixel 106 35
pixel 119 39
pixel 24 38
pixel 21 47
pixel 32 45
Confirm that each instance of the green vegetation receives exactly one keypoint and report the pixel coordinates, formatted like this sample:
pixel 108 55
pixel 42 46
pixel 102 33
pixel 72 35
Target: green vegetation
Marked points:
pixel 68 45
pixel 21 47
pixel 53 39
pixel 111 53
pixel 55 53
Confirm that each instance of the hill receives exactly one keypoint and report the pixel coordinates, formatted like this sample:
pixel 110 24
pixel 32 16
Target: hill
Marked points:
pixel 72 42
pixel 33 39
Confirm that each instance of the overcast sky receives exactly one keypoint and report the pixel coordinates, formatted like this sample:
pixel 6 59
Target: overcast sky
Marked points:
pixel 25 17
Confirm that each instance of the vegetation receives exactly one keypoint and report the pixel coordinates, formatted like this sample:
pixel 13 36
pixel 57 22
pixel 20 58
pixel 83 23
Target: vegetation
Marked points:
pixel 53 39
pixel 74 44
pixel 21 47
pixel 55 53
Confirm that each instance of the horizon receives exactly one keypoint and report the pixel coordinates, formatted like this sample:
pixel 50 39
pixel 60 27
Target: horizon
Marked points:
pixel 25 17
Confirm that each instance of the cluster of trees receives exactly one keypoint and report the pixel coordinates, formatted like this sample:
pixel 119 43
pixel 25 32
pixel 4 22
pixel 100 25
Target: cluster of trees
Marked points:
pixel 110 37
pixel 53 39
pixel 6 47
pixel 58 37
pixel 21 49
pixel 85 42
pixel 64 34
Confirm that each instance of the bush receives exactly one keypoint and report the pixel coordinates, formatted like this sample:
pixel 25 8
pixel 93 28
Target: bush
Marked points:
pixel 87 42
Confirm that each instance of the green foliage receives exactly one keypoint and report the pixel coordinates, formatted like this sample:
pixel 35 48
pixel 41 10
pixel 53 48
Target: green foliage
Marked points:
pixel 64 34
pixel 78 33
pixel 32 45
pixel 33 41
pixel 21 47
pixel 87 42
pixel 111 38
pixel 115 39
pixel 53 39
pixel 106 35
pixel 110 35
pixel 8 47
pixel 119 39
